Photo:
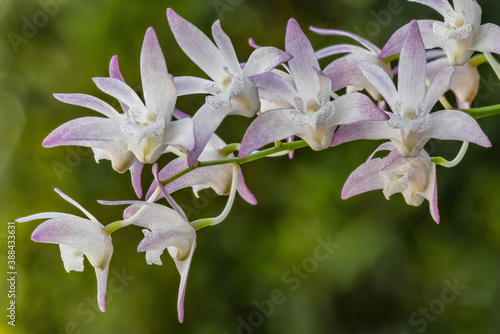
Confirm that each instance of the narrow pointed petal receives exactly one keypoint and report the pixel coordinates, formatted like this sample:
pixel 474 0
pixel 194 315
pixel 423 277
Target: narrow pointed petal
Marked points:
pixel 243 190
pixel 345 72
pixel 192 85
pixel 411 73
pixel 75 204
pixel 197 46
pixel 373 130
pixel 395 43
pixel 120 91
pixel 303 62
pixel 156 216
pixel 367 44
pixel 99 129
pixel 167 196
pixel 102 283
pixel 356 107
pixel 115 73
pixel 440 6
pixel 159 90
pixel 43 215
pixel 265 59
pixel 57 137
pixel 206 121
pixel 135 174
pixel 180 132
pixel 381 80
pixel 269 127
pixel 487 39
pixel 365 178
pixel 88 101
pixel 277 85
pixel 438 86
pixel 456 125
pixel 225 46
pixel 338 49
pixel 431 194
pixel 183 269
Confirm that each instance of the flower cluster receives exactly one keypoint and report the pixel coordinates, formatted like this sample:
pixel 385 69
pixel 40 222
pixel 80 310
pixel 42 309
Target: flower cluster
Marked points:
pixel 288 95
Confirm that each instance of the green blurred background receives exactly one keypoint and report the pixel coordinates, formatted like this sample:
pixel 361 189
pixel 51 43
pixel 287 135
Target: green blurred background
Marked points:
pixel 392 260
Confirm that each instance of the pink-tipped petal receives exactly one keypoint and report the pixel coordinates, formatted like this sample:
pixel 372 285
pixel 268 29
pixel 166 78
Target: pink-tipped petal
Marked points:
pixel 438 86
pixel 456 125
pixel 382 81
pixel 120 91
pixel 102 283
pixel 192 85
pixel 395 43
pixel 356 107
pixel 440 6
pixel 374 130
pixel 243 190
pixel 275 84
pixel 365 178
pixel 180 132
pixel 225 46
pixel 159 90
pixel 115 73
pixel 135 174
pixel 303 62
pixel 197 46
pixel 487 39
pixel 367 44
pixel 88 101
pixel 269 127
pixel 411 73
pixel 265 59
pixel 206 121
pixel 338 49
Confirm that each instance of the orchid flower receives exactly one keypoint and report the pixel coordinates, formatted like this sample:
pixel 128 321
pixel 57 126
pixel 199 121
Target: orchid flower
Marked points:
pixel 219 177
pixel 139 135
pixel 464 80
pixel 413 177
pixel 344 71
pixel 411 124
pixel 164 228
pixel 77 237
pixel 230 91
pixel 459 35
pixel 311 114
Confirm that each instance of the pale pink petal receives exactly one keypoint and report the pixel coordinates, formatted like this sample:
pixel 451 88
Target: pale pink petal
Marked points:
pixel 243 190
pixel 487 39
pixel 180 132
pixel 438 86
pixel 120 91
pixel 225 46
pixel 264 59
pixel 157 84
pixel 441 6
pixel 373 130
pixel 136 173
pixel 102 283
pixel 338 49
pixel 192 85
pixel 367 44
pixel 382 81
pixel 303 61
pixel 275 84
pixel 365 178
pixel 88 101
pixel 114 72
pixel 197 46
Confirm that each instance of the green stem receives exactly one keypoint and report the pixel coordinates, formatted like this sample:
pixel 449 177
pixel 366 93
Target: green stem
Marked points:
pixel 391 58
pixel 483 112
pixel 449 164
pixel 230 148
pixel 240 161
pixel 494 63
pixel 478 60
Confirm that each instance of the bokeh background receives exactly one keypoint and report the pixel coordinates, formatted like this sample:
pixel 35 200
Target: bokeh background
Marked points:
pixel 392 261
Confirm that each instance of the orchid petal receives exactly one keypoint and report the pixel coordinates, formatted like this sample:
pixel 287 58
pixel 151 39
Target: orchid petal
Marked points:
pixel 159 90
pixel 456 125
pixel 192 85
pixel 183 269
pixel 264 59
pixel 382 81
pixel 226 47
pixel 269 127
pixel 486 39
pixel 197 46
pixel 135 173
pixel 102 282
pixel 303 61
pixel 356 107
pixel 98 129
pixel 180 132
pixel 441 6
pixel 367 44
pixel 411 80
pixel 338 49
pixel 373 130
pixel 57 136
pixel 277 85
pixel 114 72
pixel 395 43
pixel 88 101
pixel 243 190
pixel 438 86
pixel 75 204
pixel 120 91
pixel 364 178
